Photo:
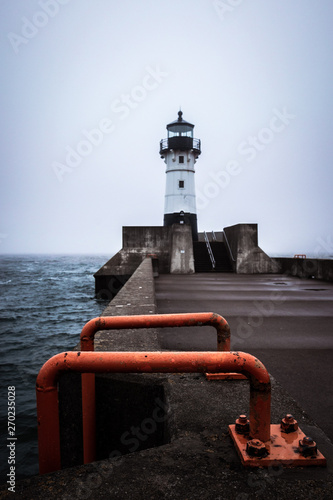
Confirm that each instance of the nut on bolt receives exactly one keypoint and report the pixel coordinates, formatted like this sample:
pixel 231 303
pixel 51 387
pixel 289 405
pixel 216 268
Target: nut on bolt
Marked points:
pixel 289 424
pixel 256 448
pixel 307 446
pixel 242 425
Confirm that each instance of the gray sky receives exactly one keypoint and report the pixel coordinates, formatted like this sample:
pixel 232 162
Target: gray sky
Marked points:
pixel 254 76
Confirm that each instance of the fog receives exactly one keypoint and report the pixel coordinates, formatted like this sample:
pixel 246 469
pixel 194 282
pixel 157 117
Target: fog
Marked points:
pixel 88 88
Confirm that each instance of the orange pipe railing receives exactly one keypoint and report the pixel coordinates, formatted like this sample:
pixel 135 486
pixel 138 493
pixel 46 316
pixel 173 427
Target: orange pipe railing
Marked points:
pixel 143 362
pixel 136 321
pixel 156 321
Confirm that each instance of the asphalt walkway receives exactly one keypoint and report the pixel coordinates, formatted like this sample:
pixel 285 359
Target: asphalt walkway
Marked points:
pixel 286 322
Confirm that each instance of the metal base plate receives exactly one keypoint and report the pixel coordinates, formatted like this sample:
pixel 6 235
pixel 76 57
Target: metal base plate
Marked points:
pixel 225 376
pixel 282 447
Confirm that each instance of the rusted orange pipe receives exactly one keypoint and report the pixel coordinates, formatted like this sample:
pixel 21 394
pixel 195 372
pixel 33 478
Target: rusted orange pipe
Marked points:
pixel 143 362
pixel 156 321
pixel 135 321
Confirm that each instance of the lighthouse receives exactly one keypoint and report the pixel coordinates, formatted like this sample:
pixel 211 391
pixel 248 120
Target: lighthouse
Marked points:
pixel 180 152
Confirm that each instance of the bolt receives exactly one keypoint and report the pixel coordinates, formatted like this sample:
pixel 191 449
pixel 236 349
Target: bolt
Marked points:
pixel 289 424
pixel 242 425
pixel 256 448
pixel 307 446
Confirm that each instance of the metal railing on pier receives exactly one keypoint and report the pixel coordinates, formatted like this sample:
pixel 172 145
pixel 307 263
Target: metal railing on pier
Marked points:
pixel 210 251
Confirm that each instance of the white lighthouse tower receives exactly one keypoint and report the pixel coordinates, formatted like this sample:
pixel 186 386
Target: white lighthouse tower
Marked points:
pixel 180 152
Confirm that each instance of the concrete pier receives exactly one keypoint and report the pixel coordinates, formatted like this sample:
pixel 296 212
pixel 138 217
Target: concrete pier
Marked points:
pixel 195 457
pixel 286 322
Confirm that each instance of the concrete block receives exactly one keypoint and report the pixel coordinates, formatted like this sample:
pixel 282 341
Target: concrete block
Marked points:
pixel 182 259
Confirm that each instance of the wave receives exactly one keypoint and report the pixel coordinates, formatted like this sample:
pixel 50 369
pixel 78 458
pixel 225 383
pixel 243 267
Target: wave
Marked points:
pixel 46 302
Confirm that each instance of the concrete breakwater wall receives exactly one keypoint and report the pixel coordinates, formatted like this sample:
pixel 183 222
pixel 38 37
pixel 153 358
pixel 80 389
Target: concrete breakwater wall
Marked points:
pixel 249 257
pixel 170 248
pixel 119 398
pixel 321 269
pixel 136 297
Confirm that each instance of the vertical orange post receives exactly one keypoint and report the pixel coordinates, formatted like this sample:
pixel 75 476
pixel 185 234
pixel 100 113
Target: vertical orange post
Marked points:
pixel 48 419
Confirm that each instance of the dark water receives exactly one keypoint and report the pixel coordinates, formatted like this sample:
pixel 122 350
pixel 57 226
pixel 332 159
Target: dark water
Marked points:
pixel 45 302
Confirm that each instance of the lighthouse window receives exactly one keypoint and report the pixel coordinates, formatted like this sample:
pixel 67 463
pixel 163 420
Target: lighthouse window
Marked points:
pixel 181 184
pixel 181 159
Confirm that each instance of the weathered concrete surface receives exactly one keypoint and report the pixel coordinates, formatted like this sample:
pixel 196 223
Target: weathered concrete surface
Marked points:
pixel 250 259
pixel 165 244
pixel 149 240
pixel 138 243
pixel 137 297
pixel 321 269
pixel 286 322
pixel 145 236
pixel 181 255
pixel 198 460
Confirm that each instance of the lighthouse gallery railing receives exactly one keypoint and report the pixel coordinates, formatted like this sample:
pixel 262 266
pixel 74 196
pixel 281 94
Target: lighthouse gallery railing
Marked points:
pixel 180 142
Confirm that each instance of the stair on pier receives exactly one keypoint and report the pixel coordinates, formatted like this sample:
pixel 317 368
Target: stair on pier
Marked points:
pixel 202 260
